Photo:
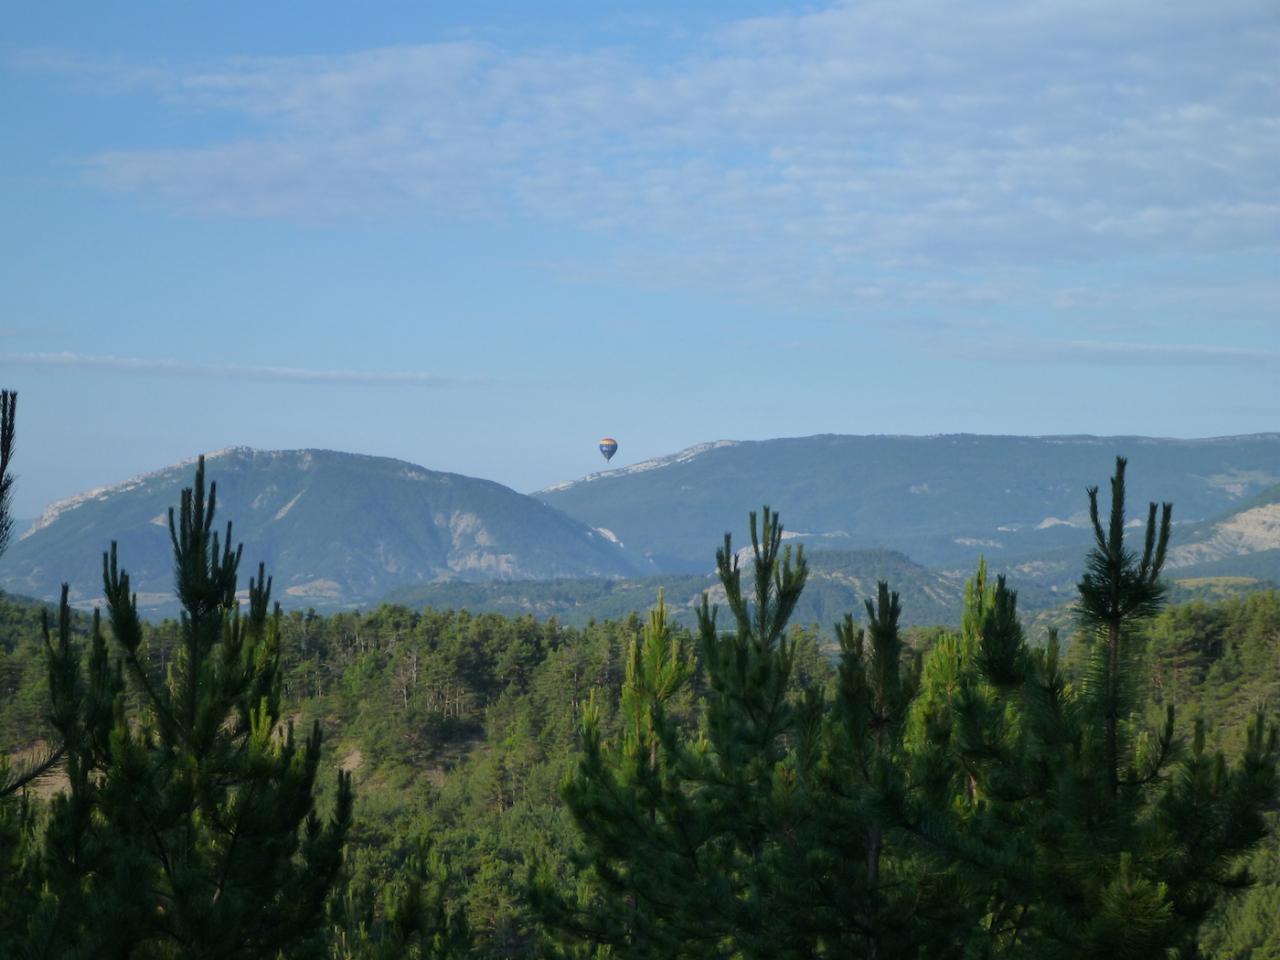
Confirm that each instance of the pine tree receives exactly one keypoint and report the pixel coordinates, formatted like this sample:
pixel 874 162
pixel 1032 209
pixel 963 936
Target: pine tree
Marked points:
pixel 13 780
pixel 671 873
pixel 1118 593
pixel 19 879
pixel 189 828
pixel 8 420
pixel 777 829
pixel 875 891
pixel 1075 831
pixel 410 920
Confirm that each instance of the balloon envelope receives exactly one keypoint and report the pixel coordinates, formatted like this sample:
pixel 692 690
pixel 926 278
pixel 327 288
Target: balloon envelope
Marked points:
pixel 608 447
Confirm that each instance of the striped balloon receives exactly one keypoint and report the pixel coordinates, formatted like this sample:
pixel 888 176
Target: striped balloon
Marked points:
pixel 608 447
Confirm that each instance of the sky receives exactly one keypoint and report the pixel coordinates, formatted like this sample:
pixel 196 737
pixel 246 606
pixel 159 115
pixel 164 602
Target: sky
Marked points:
pixel 480 236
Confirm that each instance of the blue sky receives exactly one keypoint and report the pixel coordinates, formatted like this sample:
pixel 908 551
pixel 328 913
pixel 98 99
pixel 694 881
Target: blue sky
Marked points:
pixel 479 236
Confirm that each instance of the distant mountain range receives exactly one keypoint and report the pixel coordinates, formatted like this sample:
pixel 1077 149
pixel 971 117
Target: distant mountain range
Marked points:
pixel 941 500
pixel 338 529
pixel 333 529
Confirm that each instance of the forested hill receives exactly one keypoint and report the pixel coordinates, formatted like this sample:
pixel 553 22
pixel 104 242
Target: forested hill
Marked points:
pixel 341 530
pixel 838 582
pixel 941 500
pixel 461 729
pixel 334 529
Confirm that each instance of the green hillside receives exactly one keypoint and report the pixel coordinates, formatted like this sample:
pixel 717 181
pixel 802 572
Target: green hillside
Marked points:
pixel 1221 662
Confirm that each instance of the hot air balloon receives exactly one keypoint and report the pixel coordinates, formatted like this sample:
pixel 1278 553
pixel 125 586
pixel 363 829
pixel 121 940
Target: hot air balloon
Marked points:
pixel 608 447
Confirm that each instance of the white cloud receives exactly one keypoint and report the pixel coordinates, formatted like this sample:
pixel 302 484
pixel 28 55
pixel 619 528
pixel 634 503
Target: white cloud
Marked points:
pixel 864 146
pixel 161 367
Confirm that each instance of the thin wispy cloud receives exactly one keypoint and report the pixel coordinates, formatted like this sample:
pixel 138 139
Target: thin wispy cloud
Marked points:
pixel 177 368
pixel 25 332
pixel 905 147
pixel 1093 352
pixel 101 76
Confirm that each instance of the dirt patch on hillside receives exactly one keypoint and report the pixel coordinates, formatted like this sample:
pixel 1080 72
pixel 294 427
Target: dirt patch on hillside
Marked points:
pixel 51 783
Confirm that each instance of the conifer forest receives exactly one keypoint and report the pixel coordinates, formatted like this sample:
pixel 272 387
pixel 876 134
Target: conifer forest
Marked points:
pixel 240 782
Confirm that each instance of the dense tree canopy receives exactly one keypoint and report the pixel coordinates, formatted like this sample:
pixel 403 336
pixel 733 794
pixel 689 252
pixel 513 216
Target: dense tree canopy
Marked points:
pixel 980 806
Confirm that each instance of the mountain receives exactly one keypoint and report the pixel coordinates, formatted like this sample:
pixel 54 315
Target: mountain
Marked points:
pixel 333 528
pixel 340 529
pixel 941 500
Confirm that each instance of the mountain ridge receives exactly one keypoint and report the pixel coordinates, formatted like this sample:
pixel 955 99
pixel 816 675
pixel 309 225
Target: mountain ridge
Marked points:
pixel 940 499
pixel 688 453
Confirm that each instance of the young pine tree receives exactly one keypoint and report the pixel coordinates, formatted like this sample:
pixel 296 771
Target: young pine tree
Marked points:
pixel 1119 593
pixel 8 420
pixel 17 882
pixel 189 828
pixel 1074 831
pixel 409 919
pixel 14 822
pixel 778 828
pixel 674 824
pixel 871 888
